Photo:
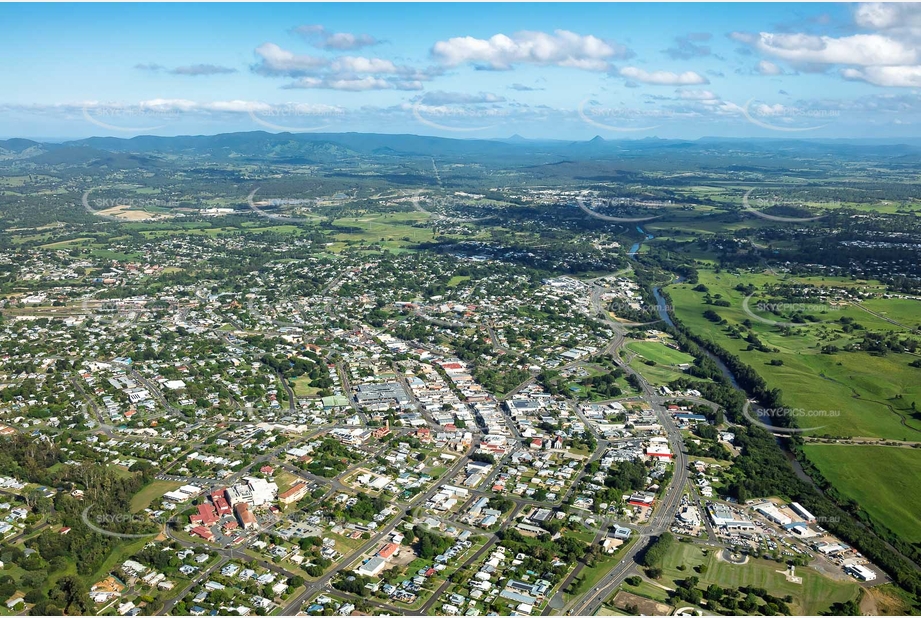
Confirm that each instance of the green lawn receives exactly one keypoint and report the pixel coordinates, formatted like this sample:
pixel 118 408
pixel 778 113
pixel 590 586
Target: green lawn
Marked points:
pixel 142 499
pixel 660 353
pixel 814 595
pixel 302 388
pixel 883 480
pixel 657 375
pixel 648 590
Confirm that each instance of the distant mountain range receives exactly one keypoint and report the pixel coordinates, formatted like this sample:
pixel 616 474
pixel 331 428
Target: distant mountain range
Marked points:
pixel 305 148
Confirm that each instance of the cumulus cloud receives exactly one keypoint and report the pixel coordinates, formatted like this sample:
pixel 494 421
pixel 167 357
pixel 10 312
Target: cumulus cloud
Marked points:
pixel 349 73
pixel 891 76
pixel 886 55
pixel 202 69
pixel 887 16
pixel 272 60
pixel 320 37
pixel 501 52
pixel 695 95
pixel 663 78
pixel 858 49
pixel 766 67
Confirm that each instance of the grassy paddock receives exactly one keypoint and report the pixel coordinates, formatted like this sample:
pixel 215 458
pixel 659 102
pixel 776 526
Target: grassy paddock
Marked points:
pixel 883 480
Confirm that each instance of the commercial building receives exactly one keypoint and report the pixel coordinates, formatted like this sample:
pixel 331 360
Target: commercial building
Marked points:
pixel 860 572
pixel 798 508
pixel 246 517
pixel 770 512
pixel 372 567
pixel 297 491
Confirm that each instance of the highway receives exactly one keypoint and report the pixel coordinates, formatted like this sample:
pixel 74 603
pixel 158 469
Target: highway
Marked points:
pixel 667 506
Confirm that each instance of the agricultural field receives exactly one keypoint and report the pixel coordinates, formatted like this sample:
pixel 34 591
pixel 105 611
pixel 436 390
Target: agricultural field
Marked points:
pixel 861 394
pixel 880 479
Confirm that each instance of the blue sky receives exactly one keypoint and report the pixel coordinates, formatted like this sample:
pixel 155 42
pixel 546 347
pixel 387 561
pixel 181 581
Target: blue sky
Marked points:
pixel 557 71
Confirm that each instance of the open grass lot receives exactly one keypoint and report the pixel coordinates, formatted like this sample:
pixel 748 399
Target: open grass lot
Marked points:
pixel 142 499
pixel 660 353
pixel 302 387
pixel 648 590
pixel 858 391
pixel 656 375
pixel 883 480
pixel 905 311
pixel 813 596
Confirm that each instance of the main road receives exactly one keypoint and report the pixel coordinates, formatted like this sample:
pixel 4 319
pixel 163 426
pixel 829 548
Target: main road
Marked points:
pixel 667 506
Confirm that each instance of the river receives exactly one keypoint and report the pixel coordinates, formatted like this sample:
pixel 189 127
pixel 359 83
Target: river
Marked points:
pixel 662 310
pixel 636 246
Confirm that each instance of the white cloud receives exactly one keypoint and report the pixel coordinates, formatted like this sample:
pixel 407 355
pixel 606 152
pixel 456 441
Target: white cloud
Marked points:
pixel 886 16
pixel 273 60
pixel 891 76
pixel 663 78
pixel 357 64
pixel 353 83
pixel 695 95
pixel 500 52
pixel 858 49
pixel 766 67
pixel 322 38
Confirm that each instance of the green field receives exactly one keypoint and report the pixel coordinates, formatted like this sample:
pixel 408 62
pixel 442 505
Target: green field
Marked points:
pixel 855 393
pixel 142 499
pixel 302 388
pixel 648 590
pixel 660 353
pixel 883 480
pixel 814 595
pixel 657 375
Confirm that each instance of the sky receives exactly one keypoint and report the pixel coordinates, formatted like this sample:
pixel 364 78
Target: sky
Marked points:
pixel 541 71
